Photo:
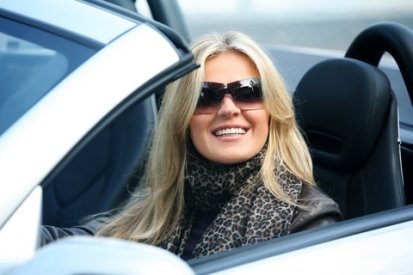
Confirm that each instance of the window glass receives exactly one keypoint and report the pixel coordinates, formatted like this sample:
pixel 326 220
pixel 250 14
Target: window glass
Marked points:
pixel 32 62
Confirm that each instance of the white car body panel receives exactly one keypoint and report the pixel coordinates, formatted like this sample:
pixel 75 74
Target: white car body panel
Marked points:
pixel 90 22
pixel 383 251
pixel 38 133
pixel 19 236
pixel 93 255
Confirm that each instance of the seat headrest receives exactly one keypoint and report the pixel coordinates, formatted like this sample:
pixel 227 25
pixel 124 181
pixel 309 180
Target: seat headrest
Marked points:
pixel 341 105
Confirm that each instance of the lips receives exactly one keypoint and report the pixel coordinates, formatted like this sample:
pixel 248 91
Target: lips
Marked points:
pixel 229 132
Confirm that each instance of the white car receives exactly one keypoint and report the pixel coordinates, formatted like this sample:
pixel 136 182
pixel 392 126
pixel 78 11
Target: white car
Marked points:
pixel 80 83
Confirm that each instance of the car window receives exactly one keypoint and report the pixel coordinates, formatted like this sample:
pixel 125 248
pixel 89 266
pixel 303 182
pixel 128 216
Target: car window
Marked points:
pixel 31 63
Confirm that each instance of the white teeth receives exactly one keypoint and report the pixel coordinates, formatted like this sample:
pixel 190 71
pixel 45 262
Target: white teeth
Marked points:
pixel 230 131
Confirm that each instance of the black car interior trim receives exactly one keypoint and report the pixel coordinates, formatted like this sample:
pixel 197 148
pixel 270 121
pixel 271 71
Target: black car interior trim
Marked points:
pixel 394 38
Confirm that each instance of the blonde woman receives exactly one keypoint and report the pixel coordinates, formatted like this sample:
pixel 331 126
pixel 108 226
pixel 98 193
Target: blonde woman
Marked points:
pixel 227 166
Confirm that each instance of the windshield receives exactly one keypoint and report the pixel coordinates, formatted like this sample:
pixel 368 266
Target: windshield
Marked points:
pixel 32 62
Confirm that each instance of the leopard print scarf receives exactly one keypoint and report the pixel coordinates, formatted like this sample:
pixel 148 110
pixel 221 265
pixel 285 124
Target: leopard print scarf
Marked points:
pixel 247 212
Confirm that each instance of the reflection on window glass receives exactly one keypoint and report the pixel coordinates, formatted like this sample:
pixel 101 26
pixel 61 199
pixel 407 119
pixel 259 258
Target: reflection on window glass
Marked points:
pixel 322 24
pixel 32 62
pixel 27 72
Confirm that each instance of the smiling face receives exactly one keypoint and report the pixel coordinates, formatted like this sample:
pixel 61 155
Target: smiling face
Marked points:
pixel 229 135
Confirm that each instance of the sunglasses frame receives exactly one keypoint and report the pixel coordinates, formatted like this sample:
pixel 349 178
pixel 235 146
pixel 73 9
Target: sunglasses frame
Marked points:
pixel 212 93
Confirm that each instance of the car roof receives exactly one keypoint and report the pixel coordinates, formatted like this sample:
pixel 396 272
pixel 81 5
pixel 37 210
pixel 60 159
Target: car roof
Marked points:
pixel 73 16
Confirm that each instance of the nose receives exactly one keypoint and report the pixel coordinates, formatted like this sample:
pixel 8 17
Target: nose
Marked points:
pixel 228 106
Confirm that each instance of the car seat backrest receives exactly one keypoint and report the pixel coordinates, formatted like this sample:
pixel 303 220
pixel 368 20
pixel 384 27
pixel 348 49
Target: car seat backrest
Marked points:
pixel 348 114
pixel 96 179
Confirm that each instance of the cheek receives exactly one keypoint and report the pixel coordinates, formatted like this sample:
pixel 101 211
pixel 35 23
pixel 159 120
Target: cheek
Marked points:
pixel 197 128
pixel 263 129
pixel 260 122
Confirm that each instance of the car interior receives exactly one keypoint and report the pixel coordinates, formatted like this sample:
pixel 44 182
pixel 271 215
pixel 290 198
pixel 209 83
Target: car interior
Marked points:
pixel 354 141
pixel 96 179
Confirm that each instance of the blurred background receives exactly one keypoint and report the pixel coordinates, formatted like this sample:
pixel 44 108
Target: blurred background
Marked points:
pixel 326 24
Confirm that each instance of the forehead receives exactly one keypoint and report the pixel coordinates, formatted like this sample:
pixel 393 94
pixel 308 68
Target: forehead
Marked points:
pixel 229 66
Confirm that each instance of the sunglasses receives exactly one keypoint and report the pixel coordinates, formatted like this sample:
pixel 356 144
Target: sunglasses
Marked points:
pixel 246 94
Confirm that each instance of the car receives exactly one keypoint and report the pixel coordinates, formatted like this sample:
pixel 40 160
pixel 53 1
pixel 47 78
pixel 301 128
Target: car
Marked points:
pixel 84 81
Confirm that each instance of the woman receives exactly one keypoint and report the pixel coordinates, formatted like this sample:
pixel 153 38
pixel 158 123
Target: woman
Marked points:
pixel 227 166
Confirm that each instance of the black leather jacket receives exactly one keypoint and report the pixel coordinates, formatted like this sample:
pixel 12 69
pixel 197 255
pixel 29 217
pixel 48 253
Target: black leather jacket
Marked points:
pixel 318 210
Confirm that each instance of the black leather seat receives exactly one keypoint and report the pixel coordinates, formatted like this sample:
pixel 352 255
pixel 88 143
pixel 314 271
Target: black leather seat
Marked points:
pixel 96 179
pixel 349 117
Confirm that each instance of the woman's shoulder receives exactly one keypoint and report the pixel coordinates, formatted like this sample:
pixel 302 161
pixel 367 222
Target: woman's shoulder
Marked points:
pixel 316 209
pixel 314 196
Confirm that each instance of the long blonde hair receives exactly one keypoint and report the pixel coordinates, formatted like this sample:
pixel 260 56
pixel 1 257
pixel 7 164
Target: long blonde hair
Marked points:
pixel 155 209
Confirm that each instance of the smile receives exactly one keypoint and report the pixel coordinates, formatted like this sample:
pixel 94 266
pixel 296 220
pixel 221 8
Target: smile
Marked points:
pixel 230 131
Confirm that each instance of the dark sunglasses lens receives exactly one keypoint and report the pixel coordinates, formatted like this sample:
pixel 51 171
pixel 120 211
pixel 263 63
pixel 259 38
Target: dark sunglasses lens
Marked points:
pixel 209 97
pixel 248 94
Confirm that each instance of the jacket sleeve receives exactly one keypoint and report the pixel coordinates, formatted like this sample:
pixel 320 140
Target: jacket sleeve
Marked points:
pixel 318 210
pixel 49 233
